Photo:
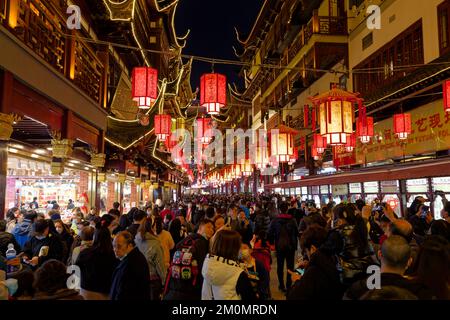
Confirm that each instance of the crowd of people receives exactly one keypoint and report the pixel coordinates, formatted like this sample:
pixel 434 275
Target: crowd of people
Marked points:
pixel 222 247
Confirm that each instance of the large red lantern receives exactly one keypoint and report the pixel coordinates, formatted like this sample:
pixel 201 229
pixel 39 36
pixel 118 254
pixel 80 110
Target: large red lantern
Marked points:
pixel 261 157
pixel 282 144
pixel 162 126
pixel 351 143
pixel 213 92
pixel 336 112
pixel 364 131
pixel 320 143
pixel 144 86
pixel 402 125
pixel 446 95
pixel 204 133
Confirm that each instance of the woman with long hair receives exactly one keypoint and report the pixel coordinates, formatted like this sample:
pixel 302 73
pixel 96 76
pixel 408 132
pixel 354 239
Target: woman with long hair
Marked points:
pixel 150 246
pixel 165 238
pixel 97 265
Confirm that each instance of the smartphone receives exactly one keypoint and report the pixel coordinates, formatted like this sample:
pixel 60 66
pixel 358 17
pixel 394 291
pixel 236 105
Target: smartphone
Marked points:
pixel 425 210
pixel 300 271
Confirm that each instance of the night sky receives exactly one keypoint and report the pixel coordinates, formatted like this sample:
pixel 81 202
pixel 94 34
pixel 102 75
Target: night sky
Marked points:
pixel 212 34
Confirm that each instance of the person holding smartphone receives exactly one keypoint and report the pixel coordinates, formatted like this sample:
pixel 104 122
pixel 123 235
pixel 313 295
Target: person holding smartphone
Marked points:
pixel 422 220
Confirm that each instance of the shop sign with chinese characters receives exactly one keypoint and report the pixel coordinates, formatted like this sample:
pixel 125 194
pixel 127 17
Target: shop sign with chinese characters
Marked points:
pixel 430 133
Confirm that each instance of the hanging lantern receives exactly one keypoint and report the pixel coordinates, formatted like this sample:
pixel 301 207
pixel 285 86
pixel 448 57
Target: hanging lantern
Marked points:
pixel 294 157
pixel 162 126
pixel 213 92
pixel 351 143
pixel 336 114
pixel 247 169
pixel 144 86
pixel 320 143
pixel 402 125
pixel 446 93
pixel 314 153
pixel 364 131
pixel 203 126
pixel 282 144
pixel 236 171
pixel 261 157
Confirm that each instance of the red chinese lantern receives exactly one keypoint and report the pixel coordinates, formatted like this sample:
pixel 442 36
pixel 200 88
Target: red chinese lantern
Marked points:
pixel 402 125
pixel 282 144
pixel 351 143
pixel 162 126
pixel 314 153
pixel 320 143
pixel 204 133
pixel 213 92
pixel 365 130
pixel 144 86
pixel 446 91
pixel 336 114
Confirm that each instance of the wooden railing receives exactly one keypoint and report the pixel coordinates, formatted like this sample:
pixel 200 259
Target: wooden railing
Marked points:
pixel 41 26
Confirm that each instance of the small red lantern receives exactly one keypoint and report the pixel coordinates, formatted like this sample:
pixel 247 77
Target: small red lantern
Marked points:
pixel 204 133
pixel 314 153
pixel 162 126
pixel 351 143
pixel 320 143
pixel 402 125
pixel 213 92
pixel 144 86
pixel 246 167
pixel 364 130
pixel 446 92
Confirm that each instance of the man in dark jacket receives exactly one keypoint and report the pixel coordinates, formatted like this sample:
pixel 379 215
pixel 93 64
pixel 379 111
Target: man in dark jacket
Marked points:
pixel 6 238
pixel 42 246
pixel 131 279
pixel 395 256
pixel 22 230
pixel 283 232
pixel 320 280
pixel 178 289
pixel 138 217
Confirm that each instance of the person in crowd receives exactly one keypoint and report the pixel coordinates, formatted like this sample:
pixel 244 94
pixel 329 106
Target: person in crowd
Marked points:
pixel 283 232
pixel 262 220
pixel 51 282
pixel 256 272
pixel 166 221
pixel 25 289
pixel 64 233
pixel 22 231
pixel 131 279
pixel 244 228
pixel 77 218
pixel 198 245
pixel 116 206
pixel 93 213
pixel 166 211
pixel 320 279
pixel 70 205
pixel 177 232
pixel 223 276
pixel 395 256
pixel 6 238
pixel 87 239
pixel 388 293
pixel 432 267
pixel 12 218
pixel 150 246
pixel 445 212
pixel 421 220
pixel 261 250
pixel 97 265
pixel 349 241
pixel 34 204
pixel 166 239
pixel 219 222
pixel 138 218
pixel 440 228
pixel 186 225
pixel 43 246
pixel 210 213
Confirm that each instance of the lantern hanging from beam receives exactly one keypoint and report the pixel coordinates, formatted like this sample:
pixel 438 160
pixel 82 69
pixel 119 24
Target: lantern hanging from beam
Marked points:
pixel 336 112
pixel 320 143
pixel 351 143
pixel 204 127
pixel 314 154
pixel 261 157
pixel 282 144
pixel 364 131
pixel 246 167
pixel 294 157
pixel 162 126
pixel 213 92
pixel 402 125
pixel 144 86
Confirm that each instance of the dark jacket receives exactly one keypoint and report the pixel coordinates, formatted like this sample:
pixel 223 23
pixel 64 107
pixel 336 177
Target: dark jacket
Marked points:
pixel 131 279
pixel 320 280
pixel 276 227
pixel 262 222
pixel 97 269
pixel 5 239
pixel 62 294
pixel 359 288
pixel 133 229
pixel 22 231
pixel 177 290
pixel 419 224
pixel 55 248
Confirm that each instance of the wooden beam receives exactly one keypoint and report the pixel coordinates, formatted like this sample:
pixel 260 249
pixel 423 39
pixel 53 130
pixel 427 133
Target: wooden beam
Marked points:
pixel 6 91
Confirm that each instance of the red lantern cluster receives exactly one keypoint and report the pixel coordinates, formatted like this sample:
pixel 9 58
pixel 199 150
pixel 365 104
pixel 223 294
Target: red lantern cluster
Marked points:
pixel 144 86
pixel 213 88
pixel 162 126
pixel 320 143
pixel 351 143
pixel 402 125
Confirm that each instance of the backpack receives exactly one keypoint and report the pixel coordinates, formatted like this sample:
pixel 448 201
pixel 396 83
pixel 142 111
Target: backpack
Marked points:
pixel 284 240
pixel 183 267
